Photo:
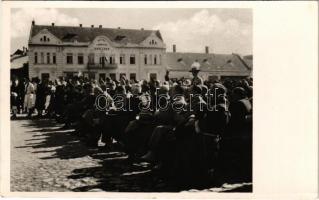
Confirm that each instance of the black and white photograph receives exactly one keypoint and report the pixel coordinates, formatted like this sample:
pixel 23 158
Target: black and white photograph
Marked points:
pixel 195 100
pixel 131 100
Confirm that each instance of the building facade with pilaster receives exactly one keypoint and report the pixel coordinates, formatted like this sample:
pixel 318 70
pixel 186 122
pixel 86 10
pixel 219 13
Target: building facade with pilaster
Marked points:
pixel 95 52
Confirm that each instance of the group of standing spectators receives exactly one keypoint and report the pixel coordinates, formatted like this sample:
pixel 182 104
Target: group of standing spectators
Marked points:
pixel 192 131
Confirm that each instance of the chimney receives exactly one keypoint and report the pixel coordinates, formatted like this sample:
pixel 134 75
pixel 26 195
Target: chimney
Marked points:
pixel 81 25
pixel 33 22
pixel 52 24
pixel 92 26
pixel 100 26
pixel 207 50
pixel 174 48
pixel 118 27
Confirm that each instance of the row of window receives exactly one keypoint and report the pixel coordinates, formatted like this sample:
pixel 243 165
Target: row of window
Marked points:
pixel 153 42
pixel 69 58
pixel 92 75
pixel 45 39
pixel 152 59
pixel 44 59
pixel 148 59
pixel 103 76
pixel 132 76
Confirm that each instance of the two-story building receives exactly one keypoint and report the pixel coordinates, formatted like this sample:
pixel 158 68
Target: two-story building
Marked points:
pixel 95 52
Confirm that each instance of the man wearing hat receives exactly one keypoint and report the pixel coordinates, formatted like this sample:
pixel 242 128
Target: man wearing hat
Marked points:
pixel 195 70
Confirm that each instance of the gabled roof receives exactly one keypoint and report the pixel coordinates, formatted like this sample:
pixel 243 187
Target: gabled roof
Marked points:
pixel 87 34
pixel 208 62
pixel 248 60
pixel 18 52
pixel 19 61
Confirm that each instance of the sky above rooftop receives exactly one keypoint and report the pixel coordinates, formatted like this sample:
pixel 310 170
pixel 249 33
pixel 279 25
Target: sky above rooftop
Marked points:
pixel 223 30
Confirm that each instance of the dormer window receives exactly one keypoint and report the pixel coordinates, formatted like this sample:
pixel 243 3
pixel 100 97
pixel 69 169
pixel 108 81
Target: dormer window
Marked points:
pixel 44 39
pixel 69 36
pixel 119 37
pixel 152 42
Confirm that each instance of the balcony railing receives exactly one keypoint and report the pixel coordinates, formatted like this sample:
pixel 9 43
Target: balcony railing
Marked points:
pixel 101 66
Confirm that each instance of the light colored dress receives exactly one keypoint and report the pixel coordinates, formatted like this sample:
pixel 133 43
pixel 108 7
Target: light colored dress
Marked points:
pixel 29 98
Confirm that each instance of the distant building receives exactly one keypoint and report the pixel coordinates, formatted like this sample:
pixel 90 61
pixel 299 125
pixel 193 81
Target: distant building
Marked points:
pixel 95 52
pixel 249 61
pixel 19 64
pixel 213 66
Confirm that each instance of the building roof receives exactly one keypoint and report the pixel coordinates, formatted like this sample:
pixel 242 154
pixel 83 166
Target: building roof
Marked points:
pixel 18 62
pixel 209 62
pixel 248 60
pixel 88 34
pixel 18 52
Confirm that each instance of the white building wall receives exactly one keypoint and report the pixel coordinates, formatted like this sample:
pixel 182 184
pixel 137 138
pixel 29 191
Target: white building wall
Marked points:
pixel 46 42
pixel 36 69
pixel 57 70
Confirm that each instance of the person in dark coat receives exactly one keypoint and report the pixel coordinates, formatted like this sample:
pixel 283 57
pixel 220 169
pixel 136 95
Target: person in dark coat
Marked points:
pixel 236 144
pixel 60 101
pixel 188 166
pixel 117 118
pixel 164 118
pixel 139 130
pixel 41 93
pixel 90 121
pixel 21 93
pixel 213 126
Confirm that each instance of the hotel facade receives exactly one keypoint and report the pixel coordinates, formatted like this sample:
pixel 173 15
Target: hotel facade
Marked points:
pixel 97 52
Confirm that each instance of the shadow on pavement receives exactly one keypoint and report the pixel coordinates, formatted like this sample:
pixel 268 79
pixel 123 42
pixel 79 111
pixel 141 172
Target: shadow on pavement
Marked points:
pixel 48 134
pixel 114 173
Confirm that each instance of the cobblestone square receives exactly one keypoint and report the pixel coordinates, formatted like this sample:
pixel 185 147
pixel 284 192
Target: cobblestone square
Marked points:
pixel 45 157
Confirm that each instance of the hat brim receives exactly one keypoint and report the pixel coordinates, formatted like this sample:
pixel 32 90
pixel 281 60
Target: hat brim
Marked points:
pixel 194 70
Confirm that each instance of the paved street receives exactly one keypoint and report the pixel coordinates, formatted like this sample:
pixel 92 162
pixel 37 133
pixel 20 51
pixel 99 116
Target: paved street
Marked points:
pixel 47 158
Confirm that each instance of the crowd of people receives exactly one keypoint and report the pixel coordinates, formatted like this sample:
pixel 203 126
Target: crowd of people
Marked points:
pixel 192 131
